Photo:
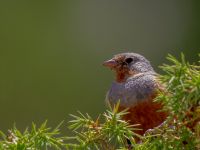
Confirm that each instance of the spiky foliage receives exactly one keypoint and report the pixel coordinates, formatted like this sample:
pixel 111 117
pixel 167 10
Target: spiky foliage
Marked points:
pixel 34 139
pixel 182 100
pixel 111 134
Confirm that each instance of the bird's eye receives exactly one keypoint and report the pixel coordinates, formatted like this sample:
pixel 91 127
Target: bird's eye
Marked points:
pixel 128 60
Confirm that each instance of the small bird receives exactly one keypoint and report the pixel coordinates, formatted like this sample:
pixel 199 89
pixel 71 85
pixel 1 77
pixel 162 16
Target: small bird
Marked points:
pixel 136 87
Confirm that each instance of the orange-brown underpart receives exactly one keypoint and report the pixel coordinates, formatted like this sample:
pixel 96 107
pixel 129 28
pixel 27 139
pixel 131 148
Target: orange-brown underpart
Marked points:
pixel 146 114
pixel 120 77
pixel 123 74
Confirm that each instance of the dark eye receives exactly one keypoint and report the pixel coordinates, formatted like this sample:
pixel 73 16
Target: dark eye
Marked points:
pixel 128 60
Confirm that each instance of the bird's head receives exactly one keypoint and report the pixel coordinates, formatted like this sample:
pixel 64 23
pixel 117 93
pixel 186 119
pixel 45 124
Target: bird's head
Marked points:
pixel 128 64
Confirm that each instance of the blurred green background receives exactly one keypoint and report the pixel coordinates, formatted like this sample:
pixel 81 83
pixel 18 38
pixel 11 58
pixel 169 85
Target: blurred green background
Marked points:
pixel 51 51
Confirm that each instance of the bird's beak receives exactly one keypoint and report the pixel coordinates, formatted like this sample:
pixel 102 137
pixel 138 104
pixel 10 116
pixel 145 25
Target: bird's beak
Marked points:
pixel 110 63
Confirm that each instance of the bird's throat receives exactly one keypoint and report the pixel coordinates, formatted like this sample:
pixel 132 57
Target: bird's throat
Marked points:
pixel 123 75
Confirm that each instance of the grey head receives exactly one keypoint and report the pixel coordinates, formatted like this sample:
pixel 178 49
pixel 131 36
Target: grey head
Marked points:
pixel 128 64
pixel 135 79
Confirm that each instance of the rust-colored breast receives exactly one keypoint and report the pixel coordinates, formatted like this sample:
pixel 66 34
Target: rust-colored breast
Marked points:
pixel 146 114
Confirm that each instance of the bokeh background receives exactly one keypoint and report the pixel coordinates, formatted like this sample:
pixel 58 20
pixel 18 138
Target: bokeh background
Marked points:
pixel 51 51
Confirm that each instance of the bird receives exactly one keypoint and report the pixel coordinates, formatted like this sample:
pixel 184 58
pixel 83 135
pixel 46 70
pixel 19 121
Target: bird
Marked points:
pixel 136 86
